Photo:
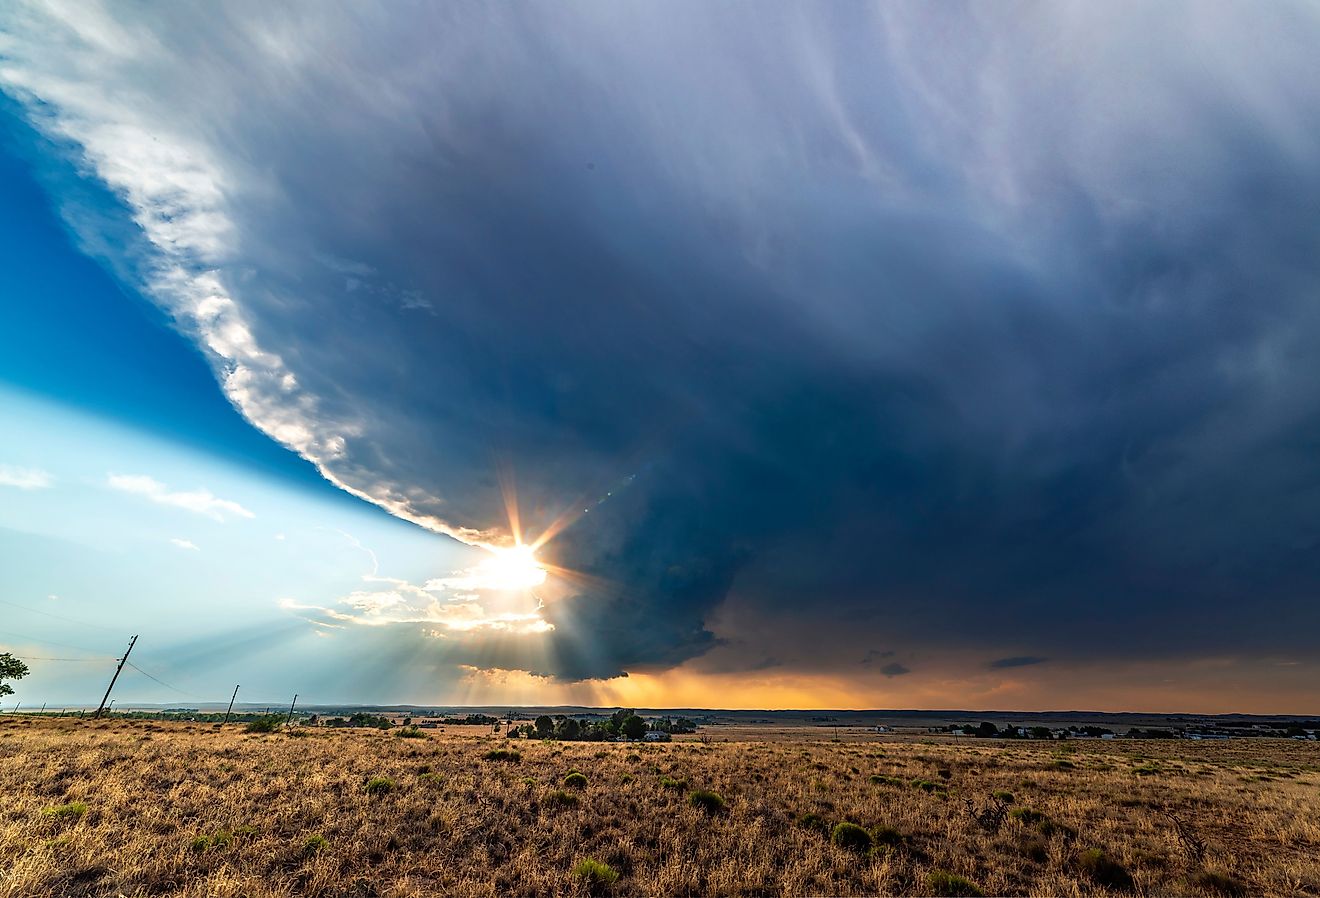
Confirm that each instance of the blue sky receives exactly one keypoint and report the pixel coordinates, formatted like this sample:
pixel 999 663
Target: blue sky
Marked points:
pixel 942 337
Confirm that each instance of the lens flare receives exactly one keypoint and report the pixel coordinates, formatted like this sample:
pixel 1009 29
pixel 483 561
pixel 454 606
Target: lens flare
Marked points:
pixel 512 568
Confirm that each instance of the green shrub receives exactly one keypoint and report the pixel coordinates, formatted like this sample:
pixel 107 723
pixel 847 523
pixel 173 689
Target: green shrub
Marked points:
pixel 410 732
pixel 627 778
pixel 200 844
pixel 813 821
pixel 598 877
pixel 1103 870
pixel 576 780
pixel 1220 883
pixel 1005 797
pixel 268 723
pixel 380 785
pixel 887 835
pixel 886 780
pixel 71 811
pixel 1064 764
pixel 1049 828
pixel 951 885
pixel 560 799
pixel 222 839
pixel 314 844
pixel 710 802
pixel 671 783
pixel 851 837
pixel 1026 816
pixel 928 786
pixel 511 755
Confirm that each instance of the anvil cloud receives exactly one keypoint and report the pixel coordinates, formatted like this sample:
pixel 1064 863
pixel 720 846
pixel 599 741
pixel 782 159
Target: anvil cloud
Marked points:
pixel 987 329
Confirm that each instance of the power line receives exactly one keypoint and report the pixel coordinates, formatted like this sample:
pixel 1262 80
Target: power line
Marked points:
pixel 162 682
pixel 43 658
pixel 69 620
pixel 63 645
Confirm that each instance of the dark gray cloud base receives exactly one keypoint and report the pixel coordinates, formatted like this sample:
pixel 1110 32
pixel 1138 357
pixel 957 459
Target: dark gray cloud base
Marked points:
pixel 969 329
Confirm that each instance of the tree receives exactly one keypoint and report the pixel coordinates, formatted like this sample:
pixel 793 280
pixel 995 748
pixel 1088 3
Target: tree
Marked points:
pixel 10 669
pixel 568 729
pixel 633 727
pixel 545 726
pixel 987 730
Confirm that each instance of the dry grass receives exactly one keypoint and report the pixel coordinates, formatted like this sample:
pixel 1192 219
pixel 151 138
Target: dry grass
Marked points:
pixel 194 810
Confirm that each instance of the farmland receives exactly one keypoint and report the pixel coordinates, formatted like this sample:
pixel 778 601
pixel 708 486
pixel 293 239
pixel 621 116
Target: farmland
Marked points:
pixel 140 808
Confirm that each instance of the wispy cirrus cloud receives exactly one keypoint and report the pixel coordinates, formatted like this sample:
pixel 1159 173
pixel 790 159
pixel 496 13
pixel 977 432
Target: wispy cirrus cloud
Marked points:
pixel 184 544
pixel 198 501
pixel 25 478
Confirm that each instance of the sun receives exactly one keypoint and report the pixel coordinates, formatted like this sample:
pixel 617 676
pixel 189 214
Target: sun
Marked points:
pixel 515 567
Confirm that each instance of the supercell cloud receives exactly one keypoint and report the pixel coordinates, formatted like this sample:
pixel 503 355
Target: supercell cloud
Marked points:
pixel 955 329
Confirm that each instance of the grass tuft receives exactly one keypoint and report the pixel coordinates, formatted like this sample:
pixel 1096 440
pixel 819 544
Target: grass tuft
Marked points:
pixel 380 785
pixel 71 811
pixel 710 802
pixel 598 877
pixel 950 885
pixel 851 837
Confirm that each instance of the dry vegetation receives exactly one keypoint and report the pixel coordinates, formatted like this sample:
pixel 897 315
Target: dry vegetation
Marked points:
pixel 139 809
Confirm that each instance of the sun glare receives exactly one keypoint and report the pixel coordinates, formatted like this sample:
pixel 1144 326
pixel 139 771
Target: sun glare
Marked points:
pixel 512 568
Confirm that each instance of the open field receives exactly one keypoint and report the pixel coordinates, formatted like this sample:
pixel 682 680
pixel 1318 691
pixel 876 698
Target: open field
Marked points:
pixel 143 808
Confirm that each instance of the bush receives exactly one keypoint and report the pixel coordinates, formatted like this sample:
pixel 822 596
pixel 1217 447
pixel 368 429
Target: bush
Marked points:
pixel 671 783
pixel 576 780
pixel 200 844
pixel 813 821
pixel 951 885
pixel 1026 816
pixel 1103 870
pixel 710 802
pixel 380 785
pixel 410 733
pixel 71 811
pixel 560 799
pixel 1005 797
pixel 928 786
pixel 598 877
pixel 887 835
pixel 511 755
pixel 886 780
pixel 268 723
pixel 851 837
pixel 1220 883
pixel 314 844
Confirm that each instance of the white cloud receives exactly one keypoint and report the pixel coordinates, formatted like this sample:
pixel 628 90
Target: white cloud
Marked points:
pixel 25 478
pixel 184 544
pixel 70 67
pixel 198 501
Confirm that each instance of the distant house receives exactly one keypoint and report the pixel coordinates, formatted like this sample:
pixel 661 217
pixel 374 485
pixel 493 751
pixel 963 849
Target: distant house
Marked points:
pixel 883 729
pixel 656 736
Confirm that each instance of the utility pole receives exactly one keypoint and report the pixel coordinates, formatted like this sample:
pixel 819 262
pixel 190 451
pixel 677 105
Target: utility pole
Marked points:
pixel 231 704
pixel 291 704
pixel 106 698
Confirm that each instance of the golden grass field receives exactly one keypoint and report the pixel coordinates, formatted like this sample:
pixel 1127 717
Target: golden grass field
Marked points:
pixel 137 808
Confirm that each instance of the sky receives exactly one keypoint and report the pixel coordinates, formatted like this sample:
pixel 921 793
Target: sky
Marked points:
pixel 745 355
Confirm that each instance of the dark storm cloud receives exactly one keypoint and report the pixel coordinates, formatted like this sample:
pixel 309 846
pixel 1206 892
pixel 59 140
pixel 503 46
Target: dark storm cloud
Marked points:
pixel 1016 661
pixel 894 669
pixel 960 328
